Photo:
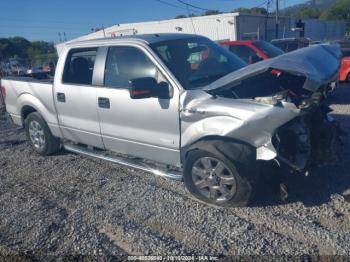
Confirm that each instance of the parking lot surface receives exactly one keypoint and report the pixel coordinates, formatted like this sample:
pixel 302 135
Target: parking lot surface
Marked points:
pixel 70 205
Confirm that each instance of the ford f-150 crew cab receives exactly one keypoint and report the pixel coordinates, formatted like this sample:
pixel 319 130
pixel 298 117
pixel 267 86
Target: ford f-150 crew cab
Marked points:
pixel 138 101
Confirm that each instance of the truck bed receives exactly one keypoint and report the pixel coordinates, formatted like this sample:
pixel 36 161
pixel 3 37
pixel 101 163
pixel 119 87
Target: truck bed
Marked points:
pixel 37 90
pixel 36 77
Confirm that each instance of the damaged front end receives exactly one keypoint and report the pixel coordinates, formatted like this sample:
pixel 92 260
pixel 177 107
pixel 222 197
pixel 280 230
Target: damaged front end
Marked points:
pixel 309 140
pixel 298 82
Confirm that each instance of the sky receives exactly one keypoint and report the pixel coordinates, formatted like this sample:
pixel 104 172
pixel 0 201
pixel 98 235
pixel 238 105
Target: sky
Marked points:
pixel 46 19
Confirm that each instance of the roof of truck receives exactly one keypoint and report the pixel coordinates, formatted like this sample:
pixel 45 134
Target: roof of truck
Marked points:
pixel 146 38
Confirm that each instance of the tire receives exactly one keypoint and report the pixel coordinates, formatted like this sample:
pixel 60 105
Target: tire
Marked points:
pixel 348 78
pixel 237 186
pixel 39 135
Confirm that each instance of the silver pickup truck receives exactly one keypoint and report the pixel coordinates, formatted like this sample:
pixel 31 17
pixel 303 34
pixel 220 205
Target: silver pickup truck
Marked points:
pixel 180 106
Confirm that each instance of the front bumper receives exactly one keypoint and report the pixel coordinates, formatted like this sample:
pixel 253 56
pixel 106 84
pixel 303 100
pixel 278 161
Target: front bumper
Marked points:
pixel 308 141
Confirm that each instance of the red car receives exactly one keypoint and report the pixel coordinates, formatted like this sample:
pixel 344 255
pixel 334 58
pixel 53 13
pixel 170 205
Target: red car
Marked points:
pixel 344 74
pixel 253 51
pixel 48 68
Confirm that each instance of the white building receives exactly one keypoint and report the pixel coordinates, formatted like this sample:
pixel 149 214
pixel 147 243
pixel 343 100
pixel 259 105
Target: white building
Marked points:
pixel 229 26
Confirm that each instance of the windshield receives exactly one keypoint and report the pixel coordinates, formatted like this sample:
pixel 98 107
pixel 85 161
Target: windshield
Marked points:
pixel 269 49
pixel 197 61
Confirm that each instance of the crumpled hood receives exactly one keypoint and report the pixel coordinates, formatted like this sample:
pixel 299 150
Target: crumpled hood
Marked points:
pixel 319 64
pixel 199 104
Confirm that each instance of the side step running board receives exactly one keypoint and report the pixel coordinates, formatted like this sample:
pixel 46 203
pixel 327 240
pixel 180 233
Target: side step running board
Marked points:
pixel 123 161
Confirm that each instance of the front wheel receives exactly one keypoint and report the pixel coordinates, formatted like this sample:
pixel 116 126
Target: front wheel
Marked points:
pixel 40 136
pixel 215 180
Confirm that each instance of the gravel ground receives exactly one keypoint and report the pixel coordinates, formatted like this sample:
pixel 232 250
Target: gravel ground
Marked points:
pixel 69 205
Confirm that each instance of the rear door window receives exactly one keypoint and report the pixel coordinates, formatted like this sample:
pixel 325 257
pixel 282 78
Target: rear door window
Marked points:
pixel 79 66
pixel 269 49
pixel 244 52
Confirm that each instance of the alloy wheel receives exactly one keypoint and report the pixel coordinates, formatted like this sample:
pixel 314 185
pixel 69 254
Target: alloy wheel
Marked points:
pixel 213 179
pixel 37 135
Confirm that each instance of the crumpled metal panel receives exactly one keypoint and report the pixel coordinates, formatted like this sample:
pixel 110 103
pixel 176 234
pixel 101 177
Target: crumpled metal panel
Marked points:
pixel 202 115
pixel 254 121
pixel 319 64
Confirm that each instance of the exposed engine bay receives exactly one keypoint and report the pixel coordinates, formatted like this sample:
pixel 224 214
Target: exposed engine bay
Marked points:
pixel 308 140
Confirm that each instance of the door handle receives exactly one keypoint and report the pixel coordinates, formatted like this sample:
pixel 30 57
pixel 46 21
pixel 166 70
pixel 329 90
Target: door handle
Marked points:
pixel 103 102
pixel 61 97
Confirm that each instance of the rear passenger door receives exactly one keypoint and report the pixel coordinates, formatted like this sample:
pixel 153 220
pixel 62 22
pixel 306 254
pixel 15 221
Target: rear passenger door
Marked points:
pixel 146 128
pixel 75 98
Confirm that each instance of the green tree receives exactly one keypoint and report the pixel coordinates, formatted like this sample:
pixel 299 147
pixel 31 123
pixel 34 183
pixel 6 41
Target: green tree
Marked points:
pixel 180 16
pixel 40 52
pixel 340 10
pixel 309 12
pixel 212 12
pixel 19 46
pixel 258 11
pixel 241 10
pixel 35 53
pixel 255 10
pixel 4 43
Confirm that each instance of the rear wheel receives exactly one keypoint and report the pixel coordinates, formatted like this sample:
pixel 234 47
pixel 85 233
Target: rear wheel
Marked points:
pixel 40 136
pixel 348 78
pixel 215 180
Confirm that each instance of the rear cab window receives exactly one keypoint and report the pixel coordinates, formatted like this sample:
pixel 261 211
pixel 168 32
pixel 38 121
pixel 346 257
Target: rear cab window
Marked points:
pixel 79 66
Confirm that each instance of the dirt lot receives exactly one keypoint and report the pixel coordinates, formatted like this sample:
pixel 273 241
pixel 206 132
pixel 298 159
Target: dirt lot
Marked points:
pixel 69 205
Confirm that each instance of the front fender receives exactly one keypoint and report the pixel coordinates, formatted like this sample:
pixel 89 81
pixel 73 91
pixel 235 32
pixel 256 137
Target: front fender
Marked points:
pixel 220 126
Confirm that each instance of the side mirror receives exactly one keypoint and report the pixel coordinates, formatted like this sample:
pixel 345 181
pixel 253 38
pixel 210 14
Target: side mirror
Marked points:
pixel 254 59
pixel 147 87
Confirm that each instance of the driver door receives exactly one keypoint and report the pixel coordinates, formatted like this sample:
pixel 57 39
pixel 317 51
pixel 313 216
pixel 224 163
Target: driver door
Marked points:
pixel 148 128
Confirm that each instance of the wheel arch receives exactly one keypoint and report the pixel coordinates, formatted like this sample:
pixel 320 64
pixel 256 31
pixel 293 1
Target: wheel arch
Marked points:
pixel 232 148
pixel 241 155
pixel 25 111
pixel 27 103
pixel 44 142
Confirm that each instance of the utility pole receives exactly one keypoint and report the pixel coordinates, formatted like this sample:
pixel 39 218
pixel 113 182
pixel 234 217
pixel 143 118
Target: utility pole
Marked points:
pixel 266 19
pixel 104 33
pixel 277 15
